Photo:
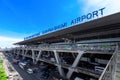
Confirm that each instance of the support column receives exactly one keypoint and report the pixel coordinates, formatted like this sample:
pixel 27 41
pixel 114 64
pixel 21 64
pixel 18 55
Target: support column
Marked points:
pixel 24 54
pixel 75 63
pixel 58 64
pixel 116 62
pixel 33 56
pixel 22 51
pixel 18 52
pixel 39 54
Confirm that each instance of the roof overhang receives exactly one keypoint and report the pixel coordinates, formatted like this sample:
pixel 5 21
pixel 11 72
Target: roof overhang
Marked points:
pixel 103 26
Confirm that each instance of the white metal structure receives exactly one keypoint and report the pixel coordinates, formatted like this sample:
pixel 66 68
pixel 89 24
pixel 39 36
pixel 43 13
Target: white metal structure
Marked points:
pixel 82 52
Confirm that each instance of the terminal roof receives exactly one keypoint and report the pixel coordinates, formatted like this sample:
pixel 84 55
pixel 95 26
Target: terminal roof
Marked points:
pixel 105 27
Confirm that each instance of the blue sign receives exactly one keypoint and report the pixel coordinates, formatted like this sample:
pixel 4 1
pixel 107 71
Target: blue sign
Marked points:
pixel 83 18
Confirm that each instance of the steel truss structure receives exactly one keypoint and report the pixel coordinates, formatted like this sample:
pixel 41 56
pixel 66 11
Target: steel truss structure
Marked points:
pixel 91 49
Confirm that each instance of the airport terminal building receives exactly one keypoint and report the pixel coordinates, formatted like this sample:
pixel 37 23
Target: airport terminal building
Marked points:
pixel 87 51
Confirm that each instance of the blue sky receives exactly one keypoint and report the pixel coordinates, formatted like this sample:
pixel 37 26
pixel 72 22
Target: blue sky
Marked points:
pixel 30 16
pixel 21 18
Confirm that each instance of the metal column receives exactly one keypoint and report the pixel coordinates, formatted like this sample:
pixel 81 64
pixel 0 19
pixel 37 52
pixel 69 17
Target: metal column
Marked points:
pixel 25 54
pixel 39 54
pixel 76 61
pixel 33 56
pixel 117 64
pixel 58 64
pixel 18 52
pixel 22 51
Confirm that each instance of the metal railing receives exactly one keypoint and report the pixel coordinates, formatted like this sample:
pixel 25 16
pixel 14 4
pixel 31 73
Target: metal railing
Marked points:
pixel 85 47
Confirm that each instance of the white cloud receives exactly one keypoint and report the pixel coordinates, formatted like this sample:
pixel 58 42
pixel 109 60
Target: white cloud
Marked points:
pixel 7 42
pixel 112 6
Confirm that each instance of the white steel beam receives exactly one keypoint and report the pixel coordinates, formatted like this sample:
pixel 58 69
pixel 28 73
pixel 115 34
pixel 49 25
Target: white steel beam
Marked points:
pixel 75 63
pixel 25 54
pixel 33 56
pixel 22 51
pixel 58 63
pixel 18 52
pixel 38 56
